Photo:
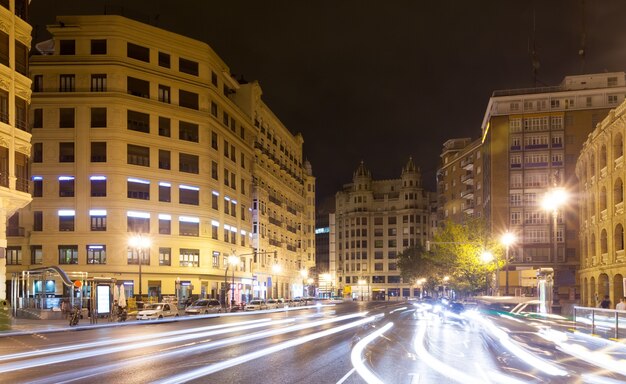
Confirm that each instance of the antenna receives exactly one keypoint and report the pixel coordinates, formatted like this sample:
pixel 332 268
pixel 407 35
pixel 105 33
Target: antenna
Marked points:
pixel 532 50
pixel 583 38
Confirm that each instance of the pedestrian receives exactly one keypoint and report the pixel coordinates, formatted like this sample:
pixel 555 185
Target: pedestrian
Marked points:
pixel 621 306
pixel 606 303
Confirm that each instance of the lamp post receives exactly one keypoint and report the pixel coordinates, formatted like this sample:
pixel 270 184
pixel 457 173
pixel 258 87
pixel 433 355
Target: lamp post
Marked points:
pixel 508 238
pixel 362 283
pixel 445 281
pixel 486 257
pixel 552 201
pixel 138 243
pixel 326 278
pixel 304 273
pixel 421 283
pixel 233 261
pixel 276 269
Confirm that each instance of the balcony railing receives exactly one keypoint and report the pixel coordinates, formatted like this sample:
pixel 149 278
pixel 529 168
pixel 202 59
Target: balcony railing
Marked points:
pixel 16 231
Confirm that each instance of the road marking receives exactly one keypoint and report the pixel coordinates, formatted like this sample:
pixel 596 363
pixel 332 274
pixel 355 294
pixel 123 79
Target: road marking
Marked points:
pixel 345 377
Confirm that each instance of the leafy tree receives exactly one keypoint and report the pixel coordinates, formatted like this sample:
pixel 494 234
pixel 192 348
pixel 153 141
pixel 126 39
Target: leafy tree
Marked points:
pixel 417 263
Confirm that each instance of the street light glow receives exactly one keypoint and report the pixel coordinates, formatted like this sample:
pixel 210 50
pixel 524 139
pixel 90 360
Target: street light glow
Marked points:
pixel 304 273
pixel 486 257
pixel 554 199
pixel 233 260
pixel 276 268
pixel 139 242
pixel 508 238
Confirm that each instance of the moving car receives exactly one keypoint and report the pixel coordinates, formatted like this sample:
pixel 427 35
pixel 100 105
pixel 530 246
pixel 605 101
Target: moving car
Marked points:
pixel 256 305
pixel 157 311
pixel 204 306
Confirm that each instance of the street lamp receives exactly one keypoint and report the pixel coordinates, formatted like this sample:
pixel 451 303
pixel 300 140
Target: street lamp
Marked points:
pixel 552 201
pixel 233 261
pixel 138 243
pixel 326 278
pixel 276 269
pixel 304 273
pixel 507 239
pixel 486 257
pixel 362 282
pixel 445 281
pixel 421 283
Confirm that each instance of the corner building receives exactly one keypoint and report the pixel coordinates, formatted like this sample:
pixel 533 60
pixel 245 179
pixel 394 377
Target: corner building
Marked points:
pixel 375 220
pixel 15 137
pixel 138 130
pixel 531 139
pixel 602 172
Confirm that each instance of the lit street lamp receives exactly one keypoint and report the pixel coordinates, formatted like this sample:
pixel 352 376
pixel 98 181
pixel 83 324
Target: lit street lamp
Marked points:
pixel 304 273
pixel 552 201
pixel 362 283
pixel 233 261
pixel 507 239
pixel 138 243
pixel 276 269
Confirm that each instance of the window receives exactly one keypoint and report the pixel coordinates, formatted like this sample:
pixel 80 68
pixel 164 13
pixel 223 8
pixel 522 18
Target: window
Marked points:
pixel 188 66
pixel 164 94
pixel 134 255
pixel 96 254
pixel 189 257
pixel 164 61
pixel 37 118
pixel 214 231
pixel 37 152
pixel 4 48
pixel 138 189
pixel 138 121
pixel 215 200
pixel 164 159
pixel 37 186
pixel 68 254
pixel 98 219
pixel 138 87
pixel 98 186
pixel 214 171
pixel 138 222
pixel 189 195
pixel 67 47
pixel 164 127
pixel 188 99
pixel 14 255
pixel 213 109
pixel 165 256
pixel 38 221
pixel 165 192
pixel 188 226
pixel 4 106
pixel 98 117
pixel 165 224
pixel 66 220
pixel 216 260
pixel 188 131
pixel 67 83
pixel 99 47
pixel 66 186
pixel 138 52
pixel 214 140
pixel 137 155
pixel 99 152
pixel 213 75
pixel 612 99
pixel 98 83
pixel 36 254
pixel 66 117
pixel 188 163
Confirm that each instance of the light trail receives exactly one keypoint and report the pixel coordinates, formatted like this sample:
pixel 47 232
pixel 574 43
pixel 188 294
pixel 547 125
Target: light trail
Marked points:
pixel 198 373
pixel 357 360
pixel 108 342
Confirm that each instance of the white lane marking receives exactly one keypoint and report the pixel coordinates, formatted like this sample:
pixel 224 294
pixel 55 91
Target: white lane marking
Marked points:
pixel 345 377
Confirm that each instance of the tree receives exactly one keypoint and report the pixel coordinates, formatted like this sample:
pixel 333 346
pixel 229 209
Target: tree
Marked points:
pixel 462 245
pixel 417 263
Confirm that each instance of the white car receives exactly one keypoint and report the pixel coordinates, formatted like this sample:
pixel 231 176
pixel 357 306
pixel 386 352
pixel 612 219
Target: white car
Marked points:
pixel 256 305
pixel 204 306
pixel 272 304
pixel 157 311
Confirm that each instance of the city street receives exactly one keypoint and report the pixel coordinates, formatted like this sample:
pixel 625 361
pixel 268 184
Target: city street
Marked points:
pixel 352 342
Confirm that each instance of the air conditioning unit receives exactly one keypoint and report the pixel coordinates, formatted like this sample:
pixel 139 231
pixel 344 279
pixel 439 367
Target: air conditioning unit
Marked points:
pixel 529 259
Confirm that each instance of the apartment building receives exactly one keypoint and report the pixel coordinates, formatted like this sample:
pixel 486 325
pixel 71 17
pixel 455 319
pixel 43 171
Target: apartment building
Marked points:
pixel 601 171
pixel 141 131
pixel 375 220
pixel 15 137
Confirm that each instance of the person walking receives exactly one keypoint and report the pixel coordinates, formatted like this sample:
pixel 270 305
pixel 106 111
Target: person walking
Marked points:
pixel 606 303
pixel 621 306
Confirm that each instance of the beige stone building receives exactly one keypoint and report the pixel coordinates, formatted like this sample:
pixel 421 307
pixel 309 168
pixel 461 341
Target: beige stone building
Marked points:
pixel 15 137
pixel 531 140
pixel 601 171
pixel 140 131
pixel 375 220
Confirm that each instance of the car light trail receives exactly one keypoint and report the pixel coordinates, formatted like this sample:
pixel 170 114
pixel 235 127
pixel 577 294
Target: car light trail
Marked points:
pixel 357 360
pixel 108 342
pixel 198 373
pixel 124 348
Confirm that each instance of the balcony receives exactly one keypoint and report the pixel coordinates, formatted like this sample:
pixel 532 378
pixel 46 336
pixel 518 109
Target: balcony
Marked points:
pixel 468 193
pixel 275 221
pixel 467 164
pixel 603 172
pixel 604 215
pixel 619 208
pixel 605 259
pixel 619 256
pixel 275 200
pixel 469 209
pixel 15 231
pixel 619 162
pixel 467 179
pixel 275 242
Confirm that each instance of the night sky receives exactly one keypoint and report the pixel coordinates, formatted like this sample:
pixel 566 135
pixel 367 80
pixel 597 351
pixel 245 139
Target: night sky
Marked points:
pixel 382 80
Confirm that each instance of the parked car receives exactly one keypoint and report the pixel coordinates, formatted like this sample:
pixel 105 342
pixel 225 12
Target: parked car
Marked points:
pixel 204 306
pixel 281 303
pixel 295 302
pixel 272 304
pixel 157 311
pixel 256 305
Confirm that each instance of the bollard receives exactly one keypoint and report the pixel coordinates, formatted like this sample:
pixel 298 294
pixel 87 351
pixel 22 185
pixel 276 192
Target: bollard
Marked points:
pixel 5 315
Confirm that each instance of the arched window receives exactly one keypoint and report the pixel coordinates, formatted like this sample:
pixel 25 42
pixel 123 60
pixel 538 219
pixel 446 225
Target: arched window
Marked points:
pixel 592 245
pixel 602 199
pixel 618 191
pixel 604 245
pixel 592 204
pixel 603 157
pixel 618 146
pixel 619 237
pixel 592 166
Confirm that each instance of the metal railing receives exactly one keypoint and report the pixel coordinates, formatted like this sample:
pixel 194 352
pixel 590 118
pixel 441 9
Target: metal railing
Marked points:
pixel 609 323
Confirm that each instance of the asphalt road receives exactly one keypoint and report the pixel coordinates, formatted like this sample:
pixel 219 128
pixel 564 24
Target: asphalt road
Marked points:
pixel 352 342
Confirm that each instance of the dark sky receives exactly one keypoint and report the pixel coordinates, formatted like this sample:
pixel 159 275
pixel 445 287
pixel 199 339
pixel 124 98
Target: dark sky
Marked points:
pixel 382 80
